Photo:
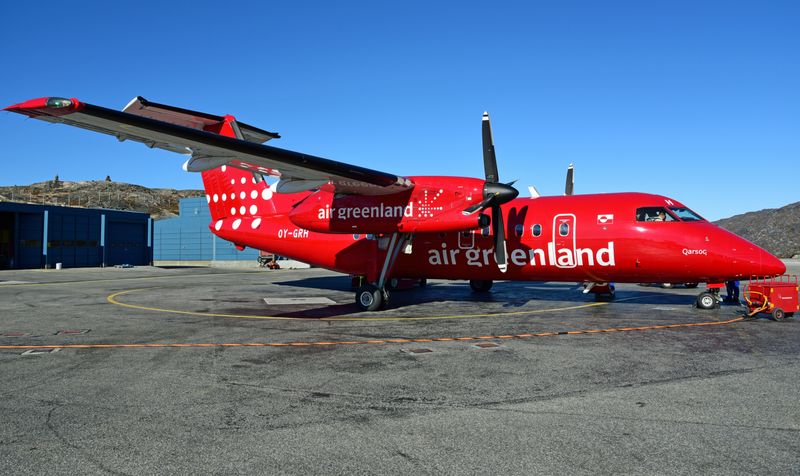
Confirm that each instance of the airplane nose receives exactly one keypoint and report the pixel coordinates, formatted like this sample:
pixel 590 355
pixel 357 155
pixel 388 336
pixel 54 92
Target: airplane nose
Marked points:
pixel 771 265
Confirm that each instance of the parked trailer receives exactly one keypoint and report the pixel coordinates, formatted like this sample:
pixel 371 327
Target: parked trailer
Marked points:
pixel 777 297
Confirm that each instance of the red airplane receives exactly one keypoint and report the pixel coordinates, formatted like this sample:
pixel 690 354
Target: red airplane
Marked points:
pixel 379 226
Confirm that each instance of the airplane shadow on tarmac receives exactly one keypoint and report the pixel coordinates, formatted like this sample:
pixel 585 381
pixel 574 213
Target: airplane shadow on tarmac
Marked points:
pixel 508 295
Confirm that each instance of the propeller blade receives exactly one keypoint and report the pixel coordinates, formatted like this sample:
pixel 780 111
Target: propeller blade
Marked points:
pixel 498 228
pixel 479 206
pixel 489 158
pixel 570 180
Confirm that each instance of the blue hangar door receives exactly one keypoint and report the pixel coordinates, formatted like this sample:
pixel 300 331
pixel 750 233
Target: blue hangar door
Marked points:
pixel 126 243
pixel 30 253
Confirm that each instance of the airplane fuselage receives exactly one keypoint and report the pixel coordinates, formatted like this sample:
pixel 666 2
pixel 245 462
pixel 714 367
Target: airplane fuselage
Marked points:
pixel 596 238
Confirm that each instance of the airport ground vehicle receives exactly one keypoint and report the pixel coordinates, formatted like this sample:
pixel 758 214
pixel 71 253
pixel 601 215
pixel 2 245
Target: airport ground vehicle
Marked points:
pixel 776 296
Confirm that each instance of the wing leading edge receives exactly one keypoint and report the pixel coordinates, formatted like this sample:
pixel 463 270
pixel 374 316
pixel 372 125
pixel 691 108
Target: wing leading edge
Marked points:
pixel 186 132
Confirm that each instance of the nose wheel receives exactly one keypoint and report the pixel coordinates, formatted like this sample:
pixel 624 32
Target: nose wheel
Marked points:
pixel 708 300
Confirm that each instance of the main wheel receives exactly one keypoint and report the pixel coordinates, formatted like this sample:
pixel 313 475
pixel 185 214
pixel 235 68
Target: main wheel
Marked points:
pixel 369 298
pixel 690 285
pixel 706 300
pixel 778 314
pixel 480 285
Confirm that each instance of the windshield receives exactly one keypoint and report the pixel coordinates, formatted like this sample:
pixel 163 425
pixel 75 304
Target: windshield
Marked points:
pixel 653 214
pixel 685 214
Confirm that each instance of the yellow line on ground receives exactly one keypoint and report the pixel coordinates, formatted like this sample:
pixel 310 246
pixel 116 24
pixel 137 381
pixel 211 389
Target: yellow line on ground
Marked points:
pixel 112 298
pixel 366 342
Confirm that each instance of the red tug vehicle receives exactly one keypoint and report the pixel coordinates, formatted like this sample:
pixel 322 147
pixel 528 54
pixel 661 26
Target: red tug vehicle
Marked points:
pixel 777 296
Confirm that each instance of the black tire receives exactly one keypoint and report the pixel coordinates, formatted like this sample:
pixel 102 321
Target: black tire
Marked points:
pixel 778 314
pixel 480 285
pixel 706 300
pixel 690 285
pixel 369 298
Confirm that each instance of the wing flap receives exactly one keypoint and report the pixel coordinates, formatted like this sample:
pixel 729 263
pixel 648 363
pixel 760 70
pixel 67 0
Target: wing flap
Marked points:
pixel 196 120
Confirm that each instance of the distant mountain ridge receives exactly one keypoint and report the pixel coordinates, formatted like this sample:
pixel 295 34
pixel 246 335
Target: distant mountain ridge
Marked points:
pixel 158 202
pixel 776 229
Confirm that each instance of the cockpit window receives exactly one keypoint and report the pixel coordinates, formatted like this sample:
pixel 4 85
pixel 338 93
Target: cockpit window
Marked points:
pixel 653 214
pixel 685 214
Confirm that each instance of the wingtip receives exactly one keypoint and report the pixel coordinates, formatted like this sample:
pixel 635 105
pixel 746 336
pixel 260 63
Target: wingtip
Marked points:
pixel 27 105
pixel 38 104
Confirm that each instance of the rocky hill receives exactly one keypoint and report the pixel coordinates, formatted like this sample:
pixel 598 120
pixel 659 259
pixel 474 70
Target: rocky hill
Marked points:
pixel 158 202
pixel 777 230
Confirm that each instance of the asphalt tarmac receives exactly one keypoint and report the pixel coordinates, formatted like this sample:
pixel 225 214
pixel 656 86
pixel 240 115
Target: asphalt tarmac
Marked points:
pixel 153 377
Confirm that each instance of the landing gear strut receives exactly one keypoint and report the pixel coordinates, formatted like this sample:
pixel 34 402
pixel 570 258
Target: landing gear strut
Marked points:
pixel 371 297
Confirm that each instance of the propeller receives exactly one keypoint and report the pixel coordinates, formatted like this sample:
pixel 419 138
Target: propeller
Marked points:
pixel 570 180
pixel 494 195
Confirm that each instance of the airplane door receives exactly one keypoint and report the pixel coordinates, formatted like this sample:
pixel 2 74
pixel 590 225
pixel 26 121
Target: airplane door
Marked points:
pixel 466 240
pixel 564 240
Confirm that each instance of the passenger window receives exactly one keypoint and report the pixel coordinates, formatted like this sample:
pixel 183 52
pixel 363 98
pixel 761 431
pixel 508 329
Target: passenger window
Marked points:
pixel 518 230
pixel 654 214
pixel 536 230
pixel 563 229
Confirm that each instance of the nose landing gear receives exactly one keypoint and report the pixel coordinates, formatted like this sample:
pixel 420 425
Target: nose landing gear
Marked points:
pixel 709 299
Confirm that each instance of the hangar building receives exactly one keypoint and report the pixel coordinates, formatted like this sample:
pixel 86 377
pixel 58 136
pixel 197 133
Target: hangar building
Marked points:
pixel 40 236
pixel 186 239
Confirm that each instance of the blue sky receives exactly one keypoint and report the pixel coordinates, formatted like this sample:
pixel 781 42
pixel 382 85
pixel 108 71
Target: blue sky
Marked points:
pixel 695 100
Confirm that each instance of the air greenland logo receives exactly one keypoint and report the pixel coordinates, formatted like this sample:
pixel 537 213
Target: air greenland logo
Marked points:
pixel 562 251
pixel 551 256
pixel 376 211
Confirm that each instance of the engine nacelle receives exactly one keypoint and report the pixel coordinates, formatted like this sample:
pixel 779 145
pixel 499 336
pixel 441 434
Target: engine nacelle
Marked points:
pixel 429 207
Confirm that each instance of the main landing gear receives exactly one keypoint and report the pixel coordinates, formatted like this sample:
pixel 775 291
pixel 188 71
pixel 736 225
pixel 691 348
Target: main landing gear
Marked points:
pixel 371 298
pixel 374 296
pixel 480 285
pixel 601 291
